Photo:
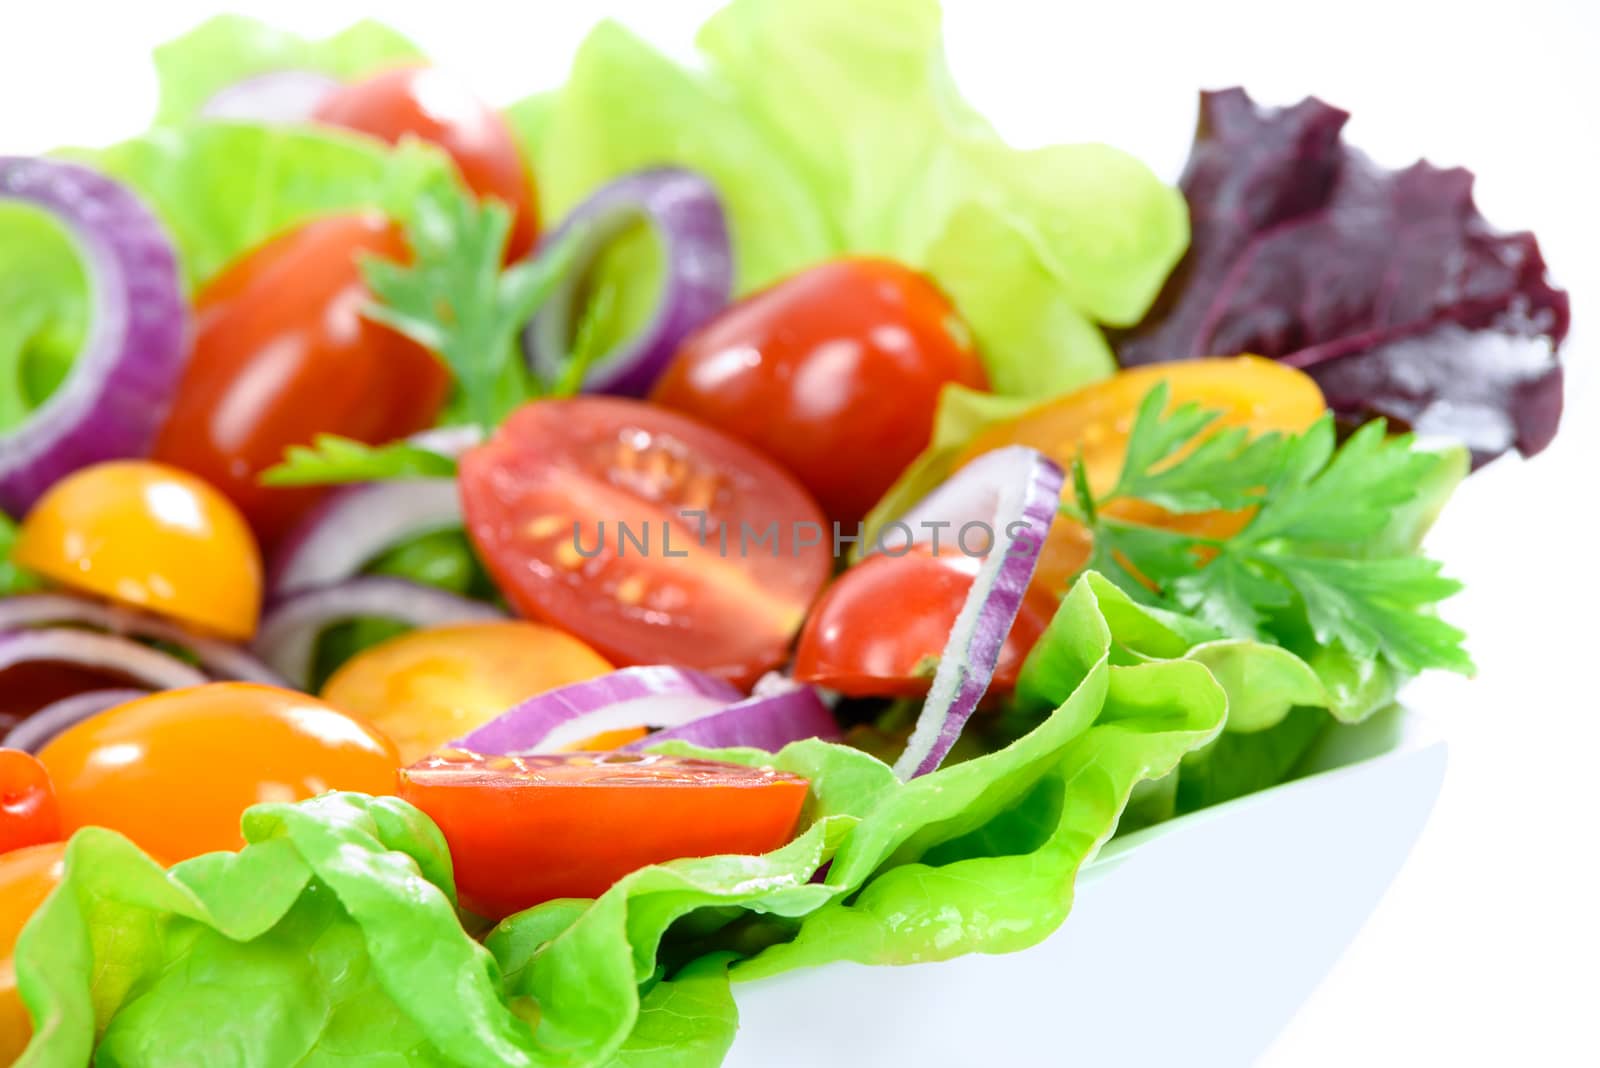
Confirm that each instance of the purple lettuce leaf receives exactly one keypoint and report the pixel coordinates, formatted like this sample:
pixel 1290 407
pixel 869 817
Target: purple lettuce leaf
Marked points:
pixel 1387 287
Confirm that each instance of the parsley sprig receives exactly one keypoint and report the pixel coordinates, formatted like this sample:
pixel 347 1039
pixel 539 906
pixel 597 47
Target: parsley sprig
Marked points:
pixel 1311 548
pixel 331 460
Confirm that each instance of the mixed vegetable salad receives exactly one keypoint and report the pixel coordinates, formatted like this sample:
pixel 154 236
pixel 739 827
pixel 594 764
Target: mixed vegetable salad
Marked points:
pixel 475 582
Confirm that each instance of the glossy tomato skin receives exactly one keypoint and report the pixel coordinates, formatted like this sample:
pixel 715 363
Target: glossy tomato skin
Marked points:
pixel 879 629
pixel 27 876
pixel 436 107
pixel 834 372
pixel 1093 422
pixel 545 500
pixel 174 771
pixel 524 830
pixel 28 812
pixel 431 686
pixel 283 353
pixel 151 536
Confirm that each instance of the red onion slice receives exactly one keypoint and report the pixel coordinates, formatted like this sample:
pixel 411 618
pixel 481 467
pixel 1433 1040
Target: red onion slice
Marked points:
pixel 1003 488
pixel 353 526
pixel 117 393
pixel 218 659
pixel 767 721
pixel 98 652
pixel 277 96
pixel 287 638
pixel 32 733
pixel 631 697
pixel 686 214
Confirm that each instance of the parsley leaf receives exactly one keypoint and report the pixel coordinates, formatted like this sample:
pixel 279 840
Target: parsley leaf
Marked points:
pixel 331 460
pixel 458 300
pixel 1307 549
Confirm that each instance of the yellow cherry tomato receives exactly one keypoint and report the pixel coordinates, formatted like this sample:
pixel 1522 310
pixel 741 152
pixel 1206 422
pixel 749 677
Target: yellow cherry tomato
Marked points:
pixel 150 536
pixel 26 878
pixel 174 771
pixel 1094 422
pixel 431 686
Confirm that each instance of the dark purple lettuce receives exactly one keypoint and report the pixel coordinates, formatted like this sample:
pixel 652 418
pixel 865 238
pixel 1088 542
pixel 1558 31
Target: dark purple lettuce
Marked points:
pixel 1388 287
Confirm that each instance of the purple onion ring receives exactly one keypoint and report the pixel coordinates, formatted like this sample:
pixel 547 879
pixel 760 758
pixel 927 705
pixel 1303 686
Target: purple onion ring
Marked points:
pixel 32 733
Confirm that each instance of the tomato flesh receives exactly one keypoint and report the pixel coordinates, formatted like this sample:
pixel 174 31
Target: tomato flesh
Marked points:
pixel 529 829
pixel 578 509
pixel 29 814
pixel 428 687
pixel 435 106
pixel 174 771
pixel 283 353
pixel 879 630
pixel 1093 422
pixel 834 372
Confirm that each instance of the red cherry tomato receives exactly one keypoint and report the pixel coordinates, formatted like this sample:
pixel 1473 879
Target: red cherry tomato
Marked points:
pixel 523 830
pixel 282 353
pixel 879 629
pixel 834 372
pixel 28 811
pixel 436 107
pixel 558 499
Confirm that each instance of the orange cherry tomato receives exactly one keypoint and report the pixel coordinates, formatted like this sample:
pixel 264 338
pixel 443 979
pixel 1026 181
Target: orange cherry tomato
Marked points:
pixel 436 107
pixel 282 353
pixel 26 878
pixel 547 500
pixel 174 771
pixel 879 630
pixel 1094 422
pixel 429 687
pixel 523 830
pixel 28 811
pixel 834 372
pixel 150 536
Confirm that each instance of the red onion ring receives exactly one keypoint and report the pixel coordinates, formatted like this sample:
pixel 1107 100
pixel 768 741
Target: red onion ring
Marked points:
pixel 1000 488
pixel 277 96
pixel 287 638
pixel 32 733
pixel 686 214
pixel 352 526
pixel 117 393
pixel 100 652
pixel 767 721
pixel 218 659
pixel 631 697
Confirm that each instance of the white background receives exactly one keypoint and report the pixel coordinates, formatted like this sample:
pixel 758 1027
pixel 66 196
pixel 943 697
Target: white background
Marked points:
pixel 1487 949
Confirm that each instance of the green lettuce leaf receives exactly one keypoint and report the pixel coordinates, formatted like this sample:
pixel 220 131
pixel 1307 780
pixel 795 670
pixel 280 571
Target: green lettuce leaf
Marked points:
pixel 224 188
pixel 45 294
pixel 331 939
pixel 230 48
pixel 833 127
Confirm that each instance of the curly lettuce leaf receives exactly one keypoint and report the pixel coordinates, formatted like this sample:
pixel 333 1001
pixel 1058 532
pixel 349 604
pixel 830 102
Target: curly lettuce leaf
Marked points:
pixel 231 48
pixel 45 293
pixel 834 127
pixel 331 938
pixel 224 188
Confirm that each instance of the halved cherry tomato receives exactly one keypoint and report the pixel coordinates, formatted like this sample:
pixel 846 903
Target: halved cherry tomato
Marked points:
pixel 879 629
pixel 174 771
pixel 567 504
pixel 523 830
pixel 28 812
pixel 436 107
pixel 150 536
pixel 834 372
pixel 27 876
pixel 428 687
pixel 1259 395
pixel 282 353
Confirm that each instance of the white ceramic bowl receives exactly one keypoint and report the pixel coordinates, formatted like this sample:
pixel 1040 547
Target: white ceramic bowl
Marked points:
pixel 1192 942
